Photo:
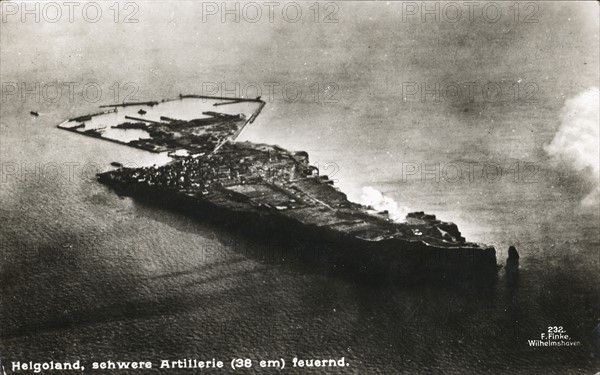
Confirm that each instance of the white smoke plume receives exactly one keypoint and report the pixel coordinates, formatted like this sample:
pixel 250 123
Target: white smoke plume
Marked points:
pixel 374 198
pixel 577 142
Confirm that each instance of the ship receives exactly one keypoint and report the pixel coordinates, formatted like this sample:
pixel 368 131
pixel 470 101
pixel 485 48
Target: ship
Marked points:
pixel 266 191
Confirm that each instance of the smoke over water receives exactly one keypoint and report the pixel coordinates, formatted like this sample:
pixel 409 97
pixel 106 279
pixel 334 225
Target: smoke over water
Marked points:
pixel 576 143
pixel 374 198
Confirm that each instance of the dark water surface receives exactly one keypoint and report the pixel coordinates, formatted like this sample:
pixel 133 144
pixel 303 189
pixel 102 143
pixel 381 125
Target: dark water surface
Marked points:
pixel 87 275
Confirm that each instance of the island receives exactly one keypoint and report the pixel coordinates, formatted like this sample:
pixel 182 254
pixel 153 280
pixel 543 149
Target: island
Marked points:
pixel 267 191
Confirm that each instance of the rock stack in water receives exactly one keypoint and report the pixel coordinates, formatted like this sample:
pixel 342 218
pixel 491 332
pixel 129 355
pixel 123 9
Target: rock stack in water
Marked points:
pixel 513 254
